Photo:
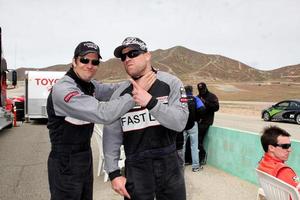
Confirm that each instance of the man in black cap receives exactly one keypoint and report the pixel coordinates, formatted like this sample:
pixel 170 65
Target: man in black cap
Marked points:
pixel 148 131
pixel 211 104
pixel 74 104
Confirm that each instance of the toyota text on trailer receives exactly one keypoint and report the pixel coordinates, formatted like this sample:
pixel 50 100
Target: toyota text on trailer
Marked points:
pixel 37 87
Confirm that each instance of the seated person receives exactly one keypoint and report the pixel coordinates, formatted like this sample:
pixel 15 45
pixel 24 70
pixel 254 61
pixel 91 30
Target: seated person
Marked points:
pixel 277 146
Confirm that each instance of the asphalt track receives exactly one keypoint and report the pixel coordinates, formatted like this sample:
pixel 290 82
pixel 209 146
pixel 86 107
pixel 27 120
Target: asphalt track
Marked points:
pixel 23 171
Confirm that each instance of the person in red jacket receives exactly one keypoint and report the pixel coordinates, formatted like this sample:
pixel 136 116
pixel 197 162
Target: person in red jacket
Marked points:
pixel 277 146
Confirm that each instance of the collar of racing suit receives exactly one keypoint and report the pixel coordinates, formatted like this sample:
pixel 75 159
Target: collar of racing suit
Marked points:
pixel 87 87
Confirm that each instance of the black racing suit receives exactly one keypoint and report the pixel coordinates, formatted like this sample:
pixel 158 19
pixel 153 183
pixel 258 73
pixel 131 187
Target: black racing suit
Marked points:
pixel 149 134
pixel 72 111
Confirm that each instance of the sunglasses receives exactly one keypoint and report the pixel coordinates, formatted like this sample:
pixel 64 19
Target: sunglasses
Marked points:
pixel 86 61
pixel 283 146
pixel 131 54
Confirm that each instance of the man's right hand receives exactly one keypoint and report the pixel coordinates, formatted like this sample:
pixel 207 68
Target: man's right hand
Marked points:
pixel 118 185
pixel 140 96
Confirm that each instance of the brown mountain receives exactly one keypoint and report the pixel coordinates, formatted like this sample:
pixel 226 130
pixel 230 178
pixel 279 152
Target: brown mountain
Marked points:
pixel 191 66
pixel 289 73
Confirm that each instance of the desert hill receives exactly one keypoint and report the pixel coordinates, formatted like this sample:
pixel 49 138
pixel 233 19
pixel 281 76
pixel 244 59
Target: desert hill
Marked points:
pixel 288 73
pixel 191 66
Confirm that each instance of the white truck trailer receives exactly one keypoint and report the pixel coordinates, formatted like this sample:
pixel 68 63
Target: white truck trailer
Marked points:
pixel 37 87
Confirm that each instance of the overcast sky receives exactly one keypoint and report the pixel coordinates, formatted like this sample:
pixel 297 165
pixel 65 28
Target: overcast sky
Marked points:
pixel 264 34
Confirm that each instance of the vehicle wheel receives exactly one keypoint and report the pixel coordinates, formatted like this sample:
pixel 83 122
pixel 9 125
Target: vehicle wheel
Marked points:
pixel 298 119
pixel 266 116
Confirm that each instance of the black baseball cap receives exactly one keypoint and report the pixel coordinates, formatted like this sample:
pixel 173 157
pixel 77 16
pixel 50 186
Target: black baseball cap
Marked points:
pixel 132 42
pixel 201 86
pixel 86 47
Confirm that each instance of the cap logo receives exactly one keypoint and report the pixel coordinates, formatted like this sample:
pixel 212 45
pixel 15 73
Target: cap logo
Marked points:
pixel 133 40
pixel 91 45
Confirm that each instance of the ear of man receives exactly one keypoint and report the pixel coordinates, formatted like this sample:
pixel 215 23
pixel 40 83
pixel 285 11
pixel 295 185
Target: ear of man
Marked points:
pixel 74 64
pixel 271 148
pixel 148 56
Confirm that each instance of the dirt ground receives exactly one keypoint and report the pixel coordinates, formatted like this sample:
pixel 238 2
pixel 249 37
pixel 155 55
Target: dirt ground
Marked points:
pixel 251 98
pixel 243 107
pixel 257 92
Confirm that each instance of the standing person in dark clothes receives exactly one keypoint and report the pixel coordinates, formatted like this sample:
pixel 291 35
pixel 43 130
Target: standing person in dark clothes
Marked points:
pixel 211 103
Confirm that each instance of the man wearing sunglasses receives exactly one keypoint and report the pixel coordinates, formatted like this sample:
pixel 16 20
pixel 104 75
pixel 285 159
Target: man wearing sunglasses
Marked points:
pixel 148 131
pixel 277 146
pixel 74 104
